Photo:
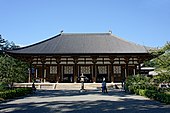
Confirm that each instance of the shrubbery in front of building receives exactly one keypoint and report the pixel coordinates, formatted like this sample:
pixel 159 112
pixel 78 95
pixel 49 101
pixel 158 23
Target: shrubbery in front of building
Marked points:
pixel 142 85
pixel 9 94
pixel 160 96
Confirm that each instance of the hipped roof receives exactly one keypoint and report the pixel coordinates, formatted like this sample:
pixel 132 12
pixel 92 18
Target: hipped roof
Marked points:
pixel 81 43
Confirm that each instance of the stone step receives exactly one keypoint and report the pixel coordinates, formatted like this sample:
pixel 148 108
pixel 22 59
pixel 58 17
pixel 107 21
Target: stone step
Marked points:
pixel 67 86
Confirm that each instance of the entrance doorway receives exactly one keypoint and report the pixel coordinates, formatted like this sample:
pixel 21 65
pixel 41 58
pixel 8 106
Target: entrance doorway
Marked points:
pixel 52 74
pixel 102 72
pixel 117 70
pixel 68 74
pixel 86 70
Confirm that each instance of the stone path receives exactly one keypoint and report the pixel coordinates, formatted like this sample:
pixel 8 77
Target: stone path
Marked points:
pixel 92 101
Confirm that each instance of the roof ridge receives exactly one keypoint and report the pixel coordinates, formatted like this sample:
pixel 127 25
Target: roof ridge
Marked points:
pixel 85 33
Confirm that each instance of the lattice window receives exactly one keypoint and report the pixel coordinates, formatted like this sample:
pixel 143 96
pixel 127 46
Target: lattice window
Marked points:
pixel 85 69
pixel 53 69
pixel 117 69
pixel 68 69
pixel 102 69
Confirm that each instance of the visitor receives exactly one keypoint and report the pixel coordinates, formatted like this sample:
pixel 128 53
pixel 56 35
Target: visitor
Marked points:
pixel 123 84
pixel 104 88
pixel 33 87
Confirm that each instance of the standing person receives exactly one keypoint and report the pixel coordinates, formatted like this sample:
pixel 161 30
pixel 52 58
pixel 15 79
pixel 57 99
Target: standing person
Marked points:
pixel 104 88
pixel 33 87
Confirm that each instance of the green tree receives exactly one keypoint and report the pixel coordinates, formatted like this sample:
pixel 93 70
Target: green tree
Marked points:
pixel 11 70
pixel 161 58
pixel 162 63
pixel 2 42
pixel 6 45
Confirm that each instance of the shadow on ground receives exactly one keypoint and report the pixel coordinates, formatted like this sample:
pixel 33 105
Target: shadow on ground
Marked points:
pixel 123 105
pixel 58 93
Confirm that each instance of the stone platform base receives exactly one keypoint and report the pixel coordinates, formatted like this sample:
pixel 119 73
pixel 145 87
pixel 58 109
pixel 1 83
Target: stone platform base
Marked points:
pixel 68 86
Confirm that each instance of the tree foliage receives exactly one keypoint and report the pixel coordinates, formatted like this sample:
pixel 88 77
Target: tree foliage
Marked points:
pixel 138 82
pixel 161 58
pixel 162 63
pixel 2 42
pixel 11 70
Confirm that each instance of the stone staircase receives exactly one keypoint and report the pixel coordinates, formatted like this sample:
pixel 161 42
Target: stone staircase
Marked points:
pixel 77 86
pixel 67 86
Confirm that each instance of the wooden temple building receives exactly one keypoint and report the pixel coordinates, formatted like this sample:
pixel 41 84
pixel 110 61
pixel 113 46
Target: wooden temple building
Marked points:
pixel 64 57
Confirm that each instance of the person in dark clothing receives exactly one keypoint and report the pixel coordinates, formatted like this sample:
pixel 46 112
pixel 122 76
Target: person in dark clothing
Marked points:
pixel 33 87
pixel 104 88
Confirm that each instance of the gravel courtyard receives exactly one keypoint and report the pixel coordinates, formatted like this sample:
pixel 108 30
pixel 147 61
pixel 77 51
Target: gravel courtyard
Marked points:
pixel 92 101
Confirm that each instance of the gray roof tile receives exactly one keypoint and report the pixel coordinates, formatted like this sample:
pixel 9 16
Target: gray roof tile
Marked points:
pixel 82 43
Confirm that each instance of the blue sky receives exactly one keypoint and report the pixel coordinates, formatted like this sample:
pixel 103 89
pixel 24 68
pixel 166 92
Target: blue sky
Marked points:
pixel 145 22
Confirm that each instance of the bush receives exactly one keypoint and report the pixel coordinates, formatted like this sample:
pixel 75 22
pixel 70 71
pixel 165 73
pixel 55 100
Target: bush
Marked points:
pixel 141 85
pixel 151 94
pixel 137 82
pixel 3 86
pixel 162 97
pixel 142 92
pixel 8 94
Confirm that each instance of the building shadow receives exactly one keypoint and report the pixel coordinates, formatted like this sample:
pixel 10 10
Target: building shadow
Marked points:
pixel 58 93
pixel 122 105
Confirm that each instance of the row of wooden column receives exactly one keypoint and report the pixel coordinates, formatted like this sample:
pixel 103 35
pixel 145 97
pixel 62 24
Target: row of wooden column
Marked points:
pixel 75 74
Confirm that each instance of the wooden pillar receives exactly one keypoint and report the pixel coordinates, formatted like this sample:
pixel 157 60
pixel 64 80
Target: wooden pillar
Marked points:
pixel 134 71
pixel 42 72
pixel 75 75
pixel 127 68
pixel 111 68
pixel 75 72
pixel 123 71
pixel 45 74
pixel 34 73
pixel 94 61
pixel 30 60
pixel 58 77
pixel 139 67
pixel 30 73
pixel 94 73
pixel 111 74
pixel 43 63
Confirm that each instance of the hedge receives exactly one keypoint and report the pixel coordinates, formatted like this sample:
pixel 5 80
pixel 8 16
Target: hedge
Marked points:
pixel 153 94
pixel 9 94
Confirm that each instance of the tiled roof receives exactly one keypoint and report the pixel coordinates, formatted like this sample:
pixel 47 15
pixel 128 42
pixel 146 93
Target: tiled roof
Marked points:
pixel 82 43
